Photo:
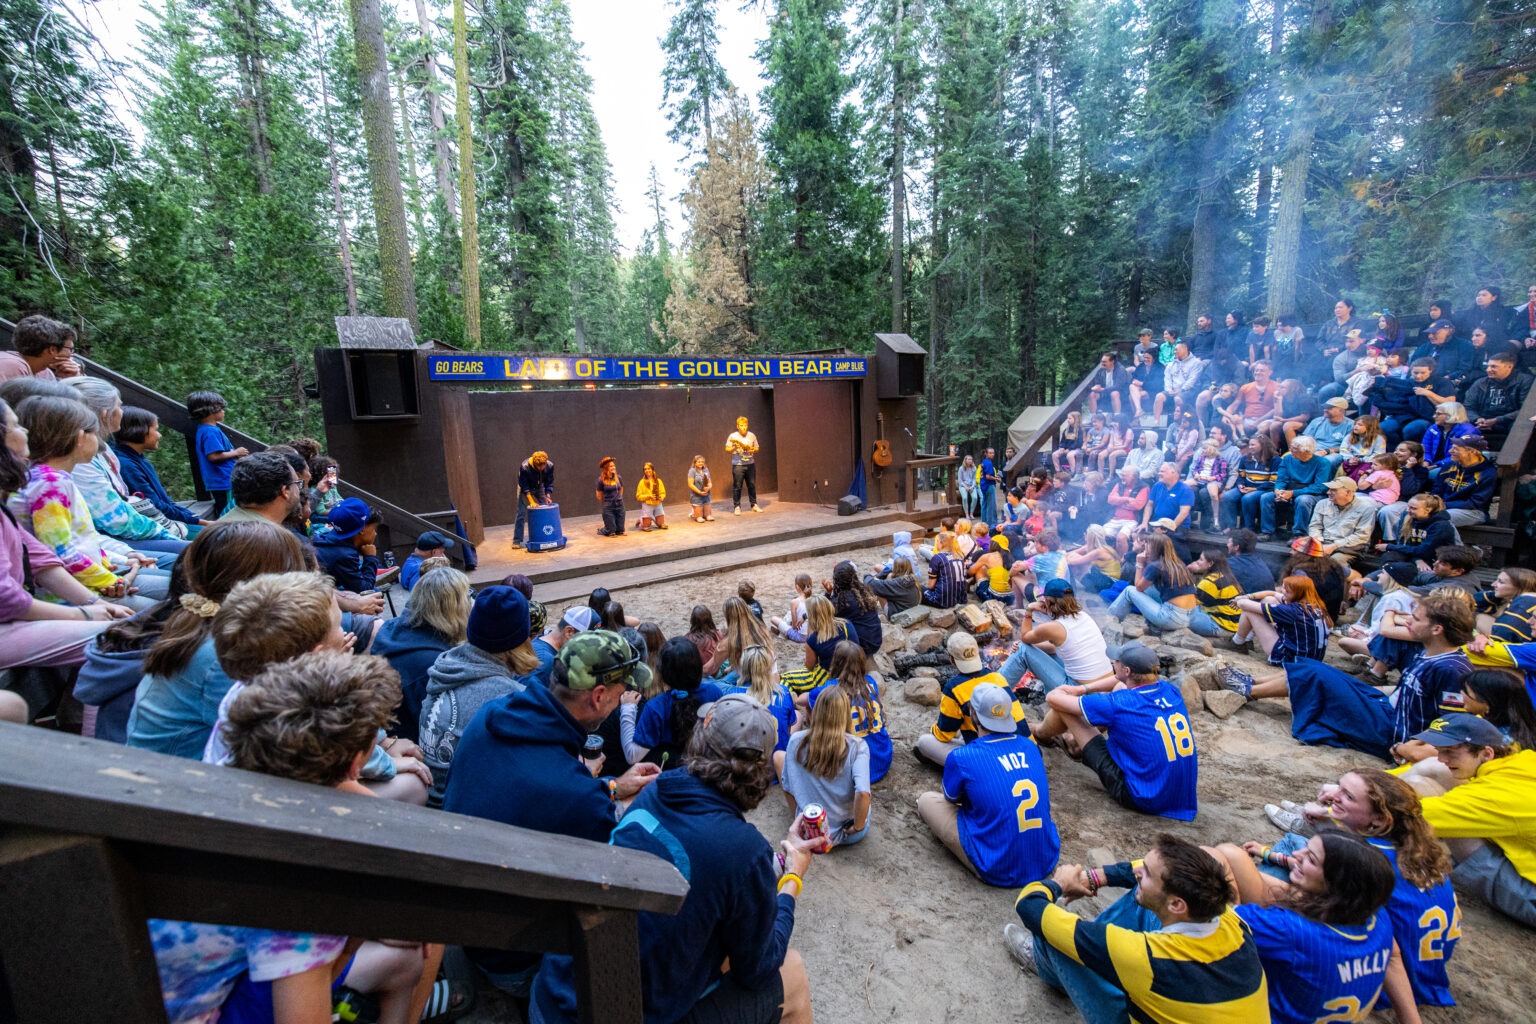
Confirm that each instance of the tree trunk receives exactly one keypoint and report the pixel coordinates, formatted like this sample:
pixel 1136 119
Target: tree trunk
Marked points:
pixel 442 154
pixel 1206 233
pixel 938 309
pixel 898 174
pixel 408 136
pixel 253 90
pixel 471 236
pixel 396 279
pixel 1285 245
pixel 348 276
pixel 1264 193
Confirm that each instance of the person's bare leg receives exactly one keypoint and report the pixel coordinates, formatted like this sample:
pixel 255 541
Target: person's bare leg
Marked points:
pixel 1263 632
pixel 404 788
pixel 423 991
pixel 1050 726
pixel 1461 849
pixel 796 1008
pixel 13 708
pixel 1271 684
pixel 389 973
pixel 1079 728
pixel 1354 645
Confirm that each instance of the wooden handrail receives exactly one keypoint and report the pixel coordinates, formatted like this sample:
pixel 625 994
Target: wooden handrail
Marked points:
pixel 1048 429
pixel 1514 455
pixel 951 488
pixel 120 834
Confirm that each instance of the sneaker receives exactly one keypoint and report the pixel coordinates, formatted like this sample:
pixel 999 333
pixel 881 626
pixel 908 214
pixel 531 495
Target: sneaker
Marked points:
pixel 709 519
pixel 755 508
pixel 1021 945
pixel 1236 680
pixel 736 511
pixel 1287 821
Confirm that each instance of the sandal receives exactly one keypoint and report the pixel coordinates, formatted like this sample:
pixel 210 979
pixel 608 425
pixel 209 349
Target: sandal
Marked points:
pixel 441 1008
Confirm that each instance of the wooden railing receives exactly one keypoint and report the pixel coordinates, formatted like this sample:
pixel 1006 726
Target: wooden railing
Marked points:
pixel 1025 456
pixel 95 838
pixel 922 462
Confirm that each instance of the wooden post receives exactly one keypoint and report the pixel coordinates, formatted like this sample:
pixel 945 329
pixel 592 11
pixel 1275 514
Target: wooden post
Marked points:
pixel 459 460
pixel 607 966
pixel 65 899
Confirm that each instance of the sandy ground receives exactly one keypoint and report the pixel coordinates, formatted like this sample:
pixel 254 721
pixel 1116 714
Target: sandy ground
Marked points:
pixel 894 929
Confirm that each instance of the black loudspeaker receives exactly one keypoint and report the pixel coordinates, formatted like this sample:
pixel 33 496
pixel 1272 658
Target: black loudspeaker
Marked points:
pixel 898 366
pixel 848 504
pixel 381 385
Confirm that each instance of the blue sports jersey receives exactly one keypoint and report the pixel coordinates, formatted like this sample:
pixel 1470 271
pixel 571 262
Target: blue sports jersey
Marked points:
pixel 1005 808
pixel 1427 923
pixel 1429 687
pixel 1151 740
pixel 1318 971
pixel 210 439
pixel 1300 632
pixel 867 723
pixel 654 727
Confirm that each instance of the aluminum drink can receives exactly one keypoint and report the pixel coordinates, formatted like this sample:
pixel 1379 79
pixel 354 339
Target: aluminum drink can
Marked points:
pixel 814 819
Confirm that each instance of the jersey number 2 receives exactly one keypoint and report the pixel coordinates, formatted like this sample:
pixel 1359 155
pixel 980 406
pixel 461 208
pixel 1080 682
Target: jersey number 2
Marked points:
pixel 1029 796
pixel 1434 923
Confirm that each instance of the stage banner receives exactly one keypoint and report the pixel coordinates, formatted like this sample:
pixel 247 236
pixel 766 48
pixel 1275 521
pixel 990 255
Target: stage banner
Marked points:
pixel 520 368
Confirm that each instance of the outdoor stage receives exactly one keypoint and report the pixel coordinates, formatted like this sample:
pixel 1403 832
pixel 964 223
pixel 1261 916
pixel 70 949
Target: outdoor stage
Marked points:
pixel 781 532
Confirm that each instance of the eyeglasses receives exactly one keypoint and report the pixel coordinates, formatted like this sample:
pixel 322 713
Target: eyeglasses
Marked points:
pixel 295 482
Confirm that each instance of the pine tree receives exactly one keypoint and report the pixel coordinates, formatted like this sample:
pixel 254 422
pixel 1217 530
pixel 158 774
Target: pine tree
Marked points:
pixel 693 81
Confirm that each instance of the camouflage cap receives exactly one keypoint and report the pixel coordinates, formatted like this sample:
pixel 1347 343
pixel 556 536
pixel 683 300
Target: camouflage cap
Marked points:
pixel 537 617
pixel 600 658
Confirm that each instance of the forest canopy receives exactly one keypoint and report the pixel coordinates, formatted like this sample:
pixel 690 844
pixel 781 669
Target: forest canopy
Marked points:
pixel 1013 184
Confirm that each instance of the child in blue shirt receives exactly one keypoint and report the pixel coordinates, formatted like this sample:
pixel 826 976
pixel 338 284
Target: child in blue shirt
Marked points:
pixel 215 455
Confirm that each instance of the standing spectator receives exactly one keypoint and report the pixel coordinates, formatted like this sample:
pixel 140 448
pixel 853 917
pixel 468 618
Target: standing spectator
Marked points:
pixel 994 814
pixel 535 486
pixel 215 455
pixel 699 484
pixel 1300 480
pixel 1495 401
pixel 991 477
pixel 138 434
pixel 44 348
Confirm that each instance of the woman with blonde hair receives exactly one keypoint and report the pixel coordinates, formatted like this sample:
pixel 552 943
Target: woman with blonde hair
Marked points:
pixel 433 621
pixel 827 765
pixel 758 674
pixel 823 632
pixel 946 574
pixel 1164 589
pixel 742 630
pixel 1096 565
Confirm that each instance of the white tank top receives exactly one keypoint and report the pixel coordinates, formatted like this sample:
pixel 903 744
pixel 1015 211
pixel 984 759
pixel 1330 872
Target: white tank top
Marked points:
pixel 1083 653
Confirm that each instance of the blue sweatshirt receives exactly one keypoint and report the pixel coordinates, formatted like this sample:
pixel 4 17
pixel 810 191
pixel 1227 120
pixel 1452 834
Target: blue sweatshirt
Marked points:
pixel 731 909
pixel 140 476
pixel 1469 487
pixel 1310 477
pixel 342 562
pixel 411 652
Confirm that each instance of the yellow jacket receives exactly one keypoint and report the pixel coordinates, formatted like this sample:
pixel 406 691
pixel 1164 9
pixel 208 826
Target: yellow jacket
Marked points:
pixel 650 492
pixel 1497 804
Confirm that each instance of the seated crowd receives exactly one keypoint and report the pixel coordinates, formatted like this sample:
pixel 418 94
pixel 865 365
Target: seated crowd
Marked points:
pixel 251 635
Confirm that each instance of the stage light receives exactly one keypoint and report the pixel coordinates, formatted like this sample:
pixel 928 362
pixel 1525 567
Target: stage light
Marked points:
pixel 590 387
pixel 527 387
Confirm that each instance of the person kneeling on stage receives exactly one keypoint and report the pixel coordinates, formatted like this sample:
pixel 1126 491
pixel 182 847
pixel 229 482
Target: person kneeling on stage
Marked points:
pixel 1147 762
pixel 995 812
pixel 650 492
pixel 1171 951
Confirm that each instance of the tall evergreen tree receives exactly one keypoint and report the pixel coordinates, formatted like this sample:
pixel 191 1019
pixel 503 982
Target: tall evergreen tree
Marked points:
pixel 694 82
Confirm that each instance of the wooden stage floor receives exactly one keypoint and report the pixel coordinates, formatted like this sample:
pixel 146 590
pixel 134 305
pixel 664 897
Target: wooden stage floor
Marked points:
pixel 782 531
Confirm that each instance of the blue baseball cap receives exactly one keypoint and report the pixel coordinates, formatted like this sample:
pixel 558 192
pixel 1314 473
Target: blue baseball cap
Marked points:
pixel 349 517
pixel 432 540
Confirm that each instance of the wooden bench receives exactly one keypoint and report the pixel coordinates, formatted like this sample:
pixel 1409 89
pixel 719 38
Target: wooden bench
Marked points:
pixel 95 838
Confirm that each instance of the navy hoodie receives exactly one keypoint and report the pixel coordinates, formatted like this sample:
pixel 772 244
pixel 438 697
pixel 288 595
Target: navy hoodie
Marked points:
pixel 1422 541
pixel 731 909
pixel 410 651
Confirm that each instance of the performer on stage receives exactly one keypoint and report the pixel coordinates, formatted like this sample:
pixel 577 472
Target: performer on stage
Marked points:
pixel 743 448
pixel 535 486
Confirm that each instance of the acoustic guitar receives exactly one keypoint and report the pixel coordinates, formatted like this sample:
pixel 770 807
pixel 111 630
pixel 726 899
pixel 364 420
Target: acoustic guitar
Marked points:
pixel 882 454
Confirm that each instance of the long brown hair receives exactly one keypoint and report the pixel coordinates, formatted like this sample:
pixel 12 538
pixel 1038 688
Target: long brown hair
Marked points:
pixel 223 555
pixel 849 667
pixel 1160 547
pixel 824 751
pixel 1421 858
pixel 1359 882
pixel 742 629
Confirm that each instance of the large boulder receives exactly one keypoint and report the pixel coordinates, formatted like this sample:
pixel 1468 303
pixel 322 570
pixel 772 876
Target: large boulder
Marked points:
pixel 923 690
pixel 885 664
pixel 1206 673
pixel 1223 703
pixel 893 638
pixel 912 616
pixel 1132 629
pixel 924 640
pixel 1191 692
pixel 1189 641
pixel 925 672
pixel 942 618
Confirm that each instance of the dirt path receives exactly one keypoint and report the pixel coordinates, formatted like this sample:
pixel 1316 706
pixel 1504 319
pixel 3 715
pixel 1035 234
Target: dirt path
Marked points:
pixel 894 929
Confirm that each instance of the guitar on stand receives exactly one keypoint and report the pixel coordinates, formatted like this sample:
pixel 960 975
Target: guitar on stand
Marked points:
pixel 881 456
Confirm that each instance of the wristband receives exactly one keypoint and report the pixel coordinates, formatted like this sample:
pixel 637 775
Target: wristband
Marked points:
pixel 788 876
pixel 83 613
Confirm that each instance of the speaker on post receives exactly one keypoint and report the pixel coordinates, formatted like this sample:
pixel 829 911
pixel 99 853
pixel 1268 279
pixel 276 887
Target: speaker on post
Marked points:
pixel 899 366
pixel 848 504
pixel 381 385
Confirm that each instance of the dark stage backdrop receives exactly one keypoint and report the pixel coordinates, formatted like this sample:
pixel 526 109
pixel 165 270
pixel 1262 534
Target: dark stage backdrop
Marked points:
pixel 665 426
